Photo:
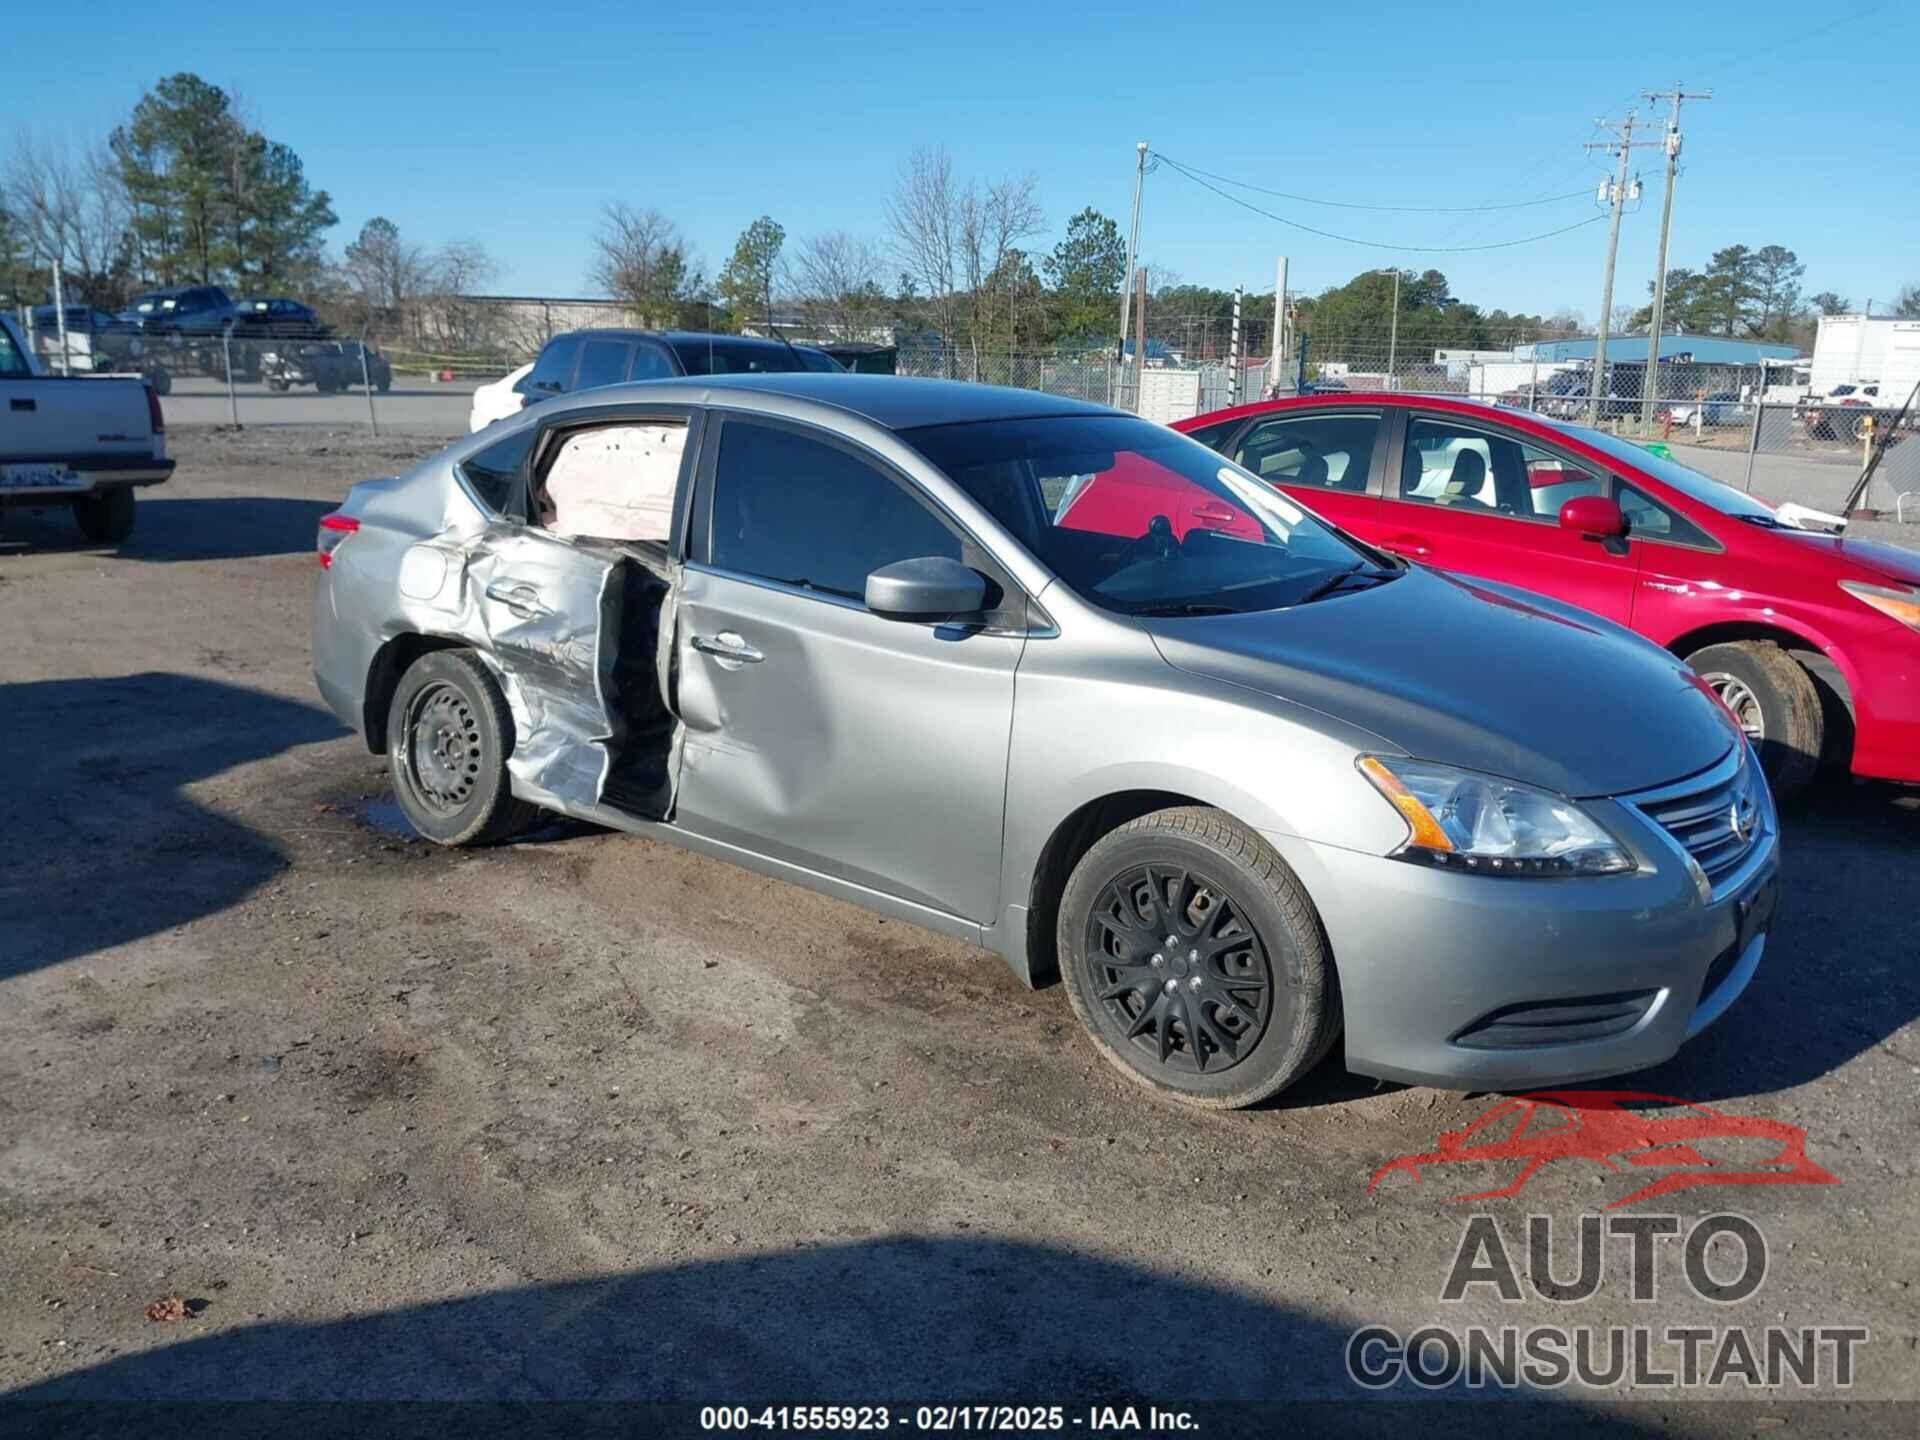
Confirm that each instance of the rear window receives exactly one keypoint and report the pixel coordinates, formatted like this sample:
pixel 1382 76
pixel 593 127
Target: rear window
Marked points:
pixel 13 364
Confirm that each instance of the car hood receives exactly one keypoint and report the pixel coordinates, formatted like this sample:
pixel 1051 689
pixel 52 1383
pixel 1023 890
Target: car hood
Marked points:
pixel 1473 674
pixel 1891 562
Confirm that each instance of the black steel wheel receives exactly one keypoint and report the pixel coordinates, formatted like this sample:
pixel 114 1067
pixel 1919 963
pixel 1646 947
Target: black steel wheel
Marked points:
pixel 1195 959
pixel 449 733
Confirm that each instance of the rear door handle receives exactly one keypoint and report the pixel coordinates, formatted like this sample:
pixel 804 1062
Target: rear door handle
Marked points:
pixel 522 599
pixel 728 648
pixel 1411 545
pixel 19 403
pixel 1213 514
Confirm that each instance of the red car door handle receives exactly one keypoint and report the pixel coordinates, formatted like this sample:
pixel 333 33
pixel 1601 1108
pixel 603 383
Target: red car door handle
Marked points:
pixel 1413 545
pixel 1214 514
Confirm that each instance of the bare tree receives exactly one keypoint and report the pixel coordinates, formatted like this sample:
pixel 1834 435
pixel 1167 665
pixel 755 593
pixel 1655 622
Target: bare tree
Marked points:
pixel 923 211
pixel 70 207
pixel 451 322
pixel 993 220
pixel 839 277
pixel 641 258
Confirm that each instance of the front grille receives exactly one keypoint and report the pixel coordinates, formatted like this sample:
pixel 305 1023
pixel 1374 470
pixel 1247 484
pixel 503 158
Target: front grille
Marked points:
pixel 1716 819
pixel 1556 1022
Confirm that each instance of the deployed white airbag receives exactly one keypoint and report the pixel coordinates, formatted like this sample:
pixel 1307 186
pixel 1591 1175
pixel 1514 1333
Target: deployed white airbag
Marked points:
pixel 616 482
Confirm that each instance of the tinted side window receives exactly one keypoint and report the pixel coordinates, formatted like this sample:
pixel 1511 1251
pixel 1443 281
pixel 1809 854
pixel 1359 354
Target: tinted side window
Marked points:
pixel 1335 451
pixel 1215 435
pixel 1648 519
pixel 1552 481
pixel 650 362
pixel 792 509
pixel 554 368
pixel 494 473
pixel 1447 465
pixel 602 362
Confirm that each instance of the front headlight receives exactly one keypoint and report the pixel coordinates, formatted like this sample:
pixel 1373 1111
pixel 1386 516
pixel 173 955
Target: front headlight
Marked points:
pixel 1902 602
pixel 1458 819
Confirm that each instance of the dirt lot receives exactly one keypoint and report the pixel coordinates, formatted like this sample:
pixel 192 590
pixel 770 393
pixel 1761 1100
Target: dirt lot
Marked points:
pixel 589 1118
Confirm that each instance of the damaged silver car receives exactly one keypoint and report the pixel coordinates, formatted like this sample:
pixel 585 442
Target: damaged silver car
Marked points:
pixel 1063 683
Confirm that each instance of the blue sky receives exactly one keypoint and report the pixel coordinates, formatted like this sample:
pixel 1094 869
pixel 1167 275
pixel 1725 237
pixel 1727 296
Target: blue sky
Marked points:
pixel 486 121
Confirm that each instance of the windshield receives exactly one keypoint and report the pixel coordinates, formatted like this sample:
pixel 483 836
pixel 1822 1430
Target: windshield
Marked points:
pixel 1138 519
pixel 1689 482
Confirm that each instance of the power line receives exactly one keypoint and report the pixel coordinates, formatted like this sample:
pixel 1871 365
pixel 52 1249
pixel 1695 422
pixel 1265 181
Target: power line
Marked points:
pixel 1376 244
pixel 1194 170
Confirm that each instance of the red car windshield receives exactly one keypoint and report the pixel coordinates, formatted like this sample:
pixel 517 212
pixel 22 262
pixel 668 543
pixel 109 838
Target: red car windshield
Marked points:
pixel 1138 519
pixel 1689 482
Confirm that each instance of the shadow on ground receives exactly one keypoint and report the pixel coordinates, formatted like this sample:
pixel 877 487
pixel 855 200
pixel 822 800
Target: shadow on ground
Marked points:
pixel 101 845
pixel 1838 977
pixel 168 528
pixel 902 1320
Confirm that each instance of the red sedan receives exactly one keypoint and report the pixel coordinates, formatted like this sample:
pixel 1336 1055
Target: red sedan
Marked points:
pixel 1812 640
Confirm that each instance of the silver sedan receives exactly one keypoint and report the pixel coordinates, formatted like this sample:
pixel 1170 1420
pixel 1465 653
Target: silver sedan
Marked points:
pixel 1065 684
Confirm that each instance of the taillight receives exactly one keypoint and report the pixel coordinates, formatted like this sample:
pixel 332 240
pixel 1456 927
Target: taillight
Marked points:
pixel 334 528
pixel 158 420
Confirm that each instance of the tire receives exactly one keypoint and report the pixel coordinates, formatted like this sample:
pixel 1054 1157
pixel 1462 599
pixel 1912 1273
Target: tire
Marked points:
pixel 106 518
pixel 1232 886
pixel 456 793
pixel 1776 703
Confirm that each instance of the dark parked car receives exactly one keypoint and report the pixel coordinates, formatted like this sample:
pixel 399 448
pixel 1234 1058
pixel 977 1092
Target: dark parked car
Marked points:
pixel 182 311
pixel 584 359
pixel 276 318
pixel 336 365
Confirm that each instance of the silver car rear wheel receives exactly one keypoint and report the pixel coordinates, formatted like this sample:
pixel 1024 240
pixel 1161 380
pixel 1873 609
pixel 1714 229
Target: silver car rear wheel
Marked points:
pixel 449 734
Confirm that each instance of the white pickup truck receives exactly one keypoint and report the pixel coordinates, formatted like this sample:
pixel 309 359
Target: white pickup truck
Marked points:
pixel 87 441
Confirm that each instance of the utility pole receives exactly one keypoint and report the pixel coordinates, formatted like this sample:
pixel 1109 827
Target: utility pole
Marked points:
pixel 1237 372
pixel 1279 317
pixel 1393 335
pixel 1133 245
pixel 1617 192
pixel 1140 337
pixel 1651 384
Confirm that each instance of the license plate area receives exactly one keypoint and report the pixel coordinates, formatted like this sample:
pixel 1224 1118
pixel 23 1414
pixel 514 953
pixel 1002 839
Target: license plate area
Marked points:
pixel 39 475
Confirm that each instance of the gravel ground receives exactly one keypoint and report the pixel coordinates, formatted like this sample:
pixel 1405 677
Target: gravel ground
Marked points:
pixel 586 1117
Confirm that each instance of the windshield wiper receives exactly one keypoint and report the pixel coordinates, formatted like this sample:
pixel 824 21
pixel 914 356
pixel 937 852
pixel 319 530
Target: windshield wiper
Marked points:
pixel 1188 607
pixel 1334 582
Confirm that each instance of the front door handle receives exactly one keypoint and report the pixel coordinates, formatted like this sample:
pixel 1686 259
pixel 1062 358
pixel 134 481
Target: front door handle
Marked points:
pixel 522 599
pixel 728 648
pixel 1214 514
pixel 18 403
pixel 1414 546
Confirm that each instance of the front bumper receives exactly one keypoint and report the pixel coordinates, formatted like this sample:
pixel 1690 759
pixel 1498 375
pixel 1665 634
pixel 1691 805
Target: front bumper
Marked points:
pixel 1476 982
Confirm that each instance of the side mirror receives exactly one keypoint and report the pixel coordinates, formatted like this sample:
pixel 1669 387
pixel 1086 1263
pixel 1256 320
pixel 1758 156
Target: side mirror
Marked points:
pixel 1594 516
pixel 929 588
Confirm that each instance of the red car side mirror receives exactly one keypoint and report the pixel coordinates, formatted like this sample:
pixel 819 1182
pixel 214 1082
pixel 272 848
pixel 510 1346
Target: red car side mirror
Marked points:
pixel 1594 516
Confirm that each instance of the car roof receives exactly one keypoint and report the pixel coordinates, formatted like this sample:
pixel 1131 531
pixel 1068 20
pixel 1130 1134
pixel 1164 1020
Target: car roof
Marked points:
pixel 1347 399
pixel 891 401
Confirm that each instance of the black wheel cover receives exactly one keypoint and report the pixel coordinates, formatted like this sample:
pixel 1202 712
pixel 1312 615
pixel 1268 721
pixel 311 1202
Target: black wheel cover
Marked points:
pixel 1177 972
